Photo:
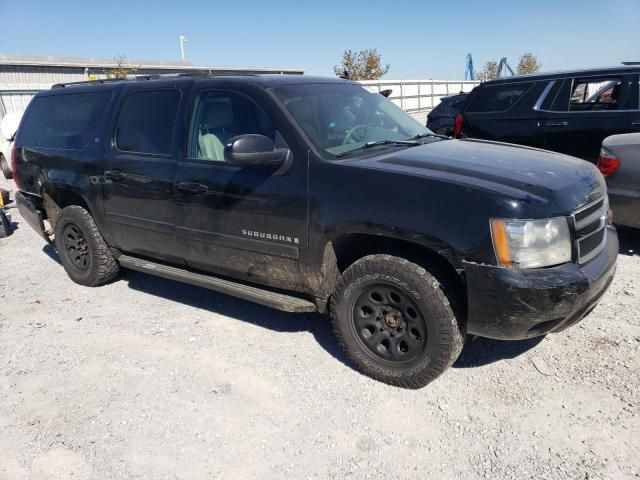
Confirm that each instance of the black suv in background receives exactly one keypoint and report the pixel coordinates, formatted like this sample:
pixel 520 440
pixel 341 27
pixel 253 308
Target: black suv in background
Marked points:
pixel 567 112
pixel 441 119
pixel 311 194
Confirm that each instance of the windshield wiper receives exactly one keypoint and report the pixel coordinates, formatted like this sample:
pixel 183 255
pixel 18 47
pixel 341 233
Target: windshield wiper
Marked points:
pixel 377 143
pixel 430 135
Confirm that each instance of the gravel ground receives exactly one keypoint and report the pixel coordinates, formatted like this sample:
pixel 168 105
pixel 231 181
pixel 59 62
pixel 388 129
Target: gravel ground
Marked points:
pixel 151 379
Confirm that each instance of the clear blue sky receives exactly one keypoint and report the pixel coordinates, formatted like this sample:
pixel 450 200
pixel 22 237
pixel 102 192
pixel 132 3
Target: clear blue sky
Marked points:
pixel 419 39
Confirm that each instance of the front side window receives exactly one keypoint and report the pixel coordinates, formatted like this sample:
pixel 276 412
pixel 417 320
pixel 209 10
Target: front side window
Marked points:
pixel 339 118
pixel 147 121
pixel 63 121
pixel 595 94
pixel 497 98
pixel 221 115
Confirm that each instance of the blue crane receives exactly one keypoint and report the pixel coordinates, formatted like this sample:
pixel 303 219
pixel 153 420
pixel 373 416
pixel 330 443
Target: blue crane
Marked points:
pixel 469 73
pixel 503 66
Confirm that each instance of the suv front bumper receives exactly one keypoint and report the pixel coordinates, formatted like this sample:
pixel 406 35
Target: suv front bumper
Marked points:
pixel 513 304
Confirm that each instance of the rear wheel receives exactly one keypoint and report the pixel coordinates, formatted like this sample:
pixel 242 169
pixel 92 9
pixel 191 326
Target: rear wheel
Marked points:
pixel 4 166
pixel 83 252
pixel 393 319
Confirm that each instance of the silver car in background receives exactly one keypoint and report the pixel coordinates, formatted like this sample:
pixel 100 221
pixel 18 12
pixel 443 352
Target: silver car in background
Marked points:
pixel 619 162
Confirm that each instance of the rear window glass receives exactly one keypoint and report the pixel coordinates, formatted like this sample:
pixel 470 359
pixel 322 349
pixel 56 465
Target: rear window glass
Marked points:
pixel 497 98
pixel 147 121
pixel 62 121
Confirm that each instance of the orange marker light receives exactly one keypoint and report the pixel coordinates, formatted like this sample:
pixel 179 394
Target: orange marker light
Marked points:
pixel 501 243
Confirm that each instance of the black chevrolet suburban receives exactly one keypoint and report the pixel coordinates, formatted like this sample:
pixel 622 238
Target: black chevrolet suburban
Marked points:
pixel 567 112
pixel 309 194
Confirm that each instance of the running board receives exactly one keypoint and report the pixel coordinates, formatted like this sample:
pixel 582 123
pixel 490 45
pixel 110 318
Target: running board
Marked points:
pixel 279 301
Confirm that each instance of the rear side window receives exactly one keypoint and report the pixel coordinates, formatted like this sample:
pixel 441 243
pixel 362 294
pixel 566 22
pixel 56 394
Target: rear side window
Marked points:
pixel 497 98
pixel 63 121
pixel 147 121
pixel 595 94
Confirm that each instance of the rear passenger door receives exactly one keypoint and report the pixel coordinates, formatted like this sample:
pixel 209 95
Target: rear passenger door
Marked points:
pixel 138 174
pixel 246 222
pixel 585 111
pixel 504 112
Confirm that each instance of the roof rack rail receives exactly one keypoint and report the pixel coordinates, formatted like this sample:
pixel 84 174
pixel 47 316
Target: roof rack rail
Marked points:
pixel 156 76
pixel 86 82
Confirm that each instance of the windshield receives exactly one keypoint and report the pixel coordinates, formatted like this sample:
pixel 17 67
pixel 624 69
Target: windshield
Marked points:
pixel 340 119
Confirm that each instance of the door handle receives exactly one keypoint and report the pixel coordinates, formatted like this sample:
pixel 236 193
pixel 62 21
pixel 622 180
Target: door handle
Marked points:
pixel 557 124
pixel 115 175
pixel 635 123
pixel 191 187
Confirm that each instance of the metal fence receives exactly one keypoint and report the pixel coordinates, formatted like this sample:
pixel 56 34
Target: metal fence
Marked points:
pixel 419 95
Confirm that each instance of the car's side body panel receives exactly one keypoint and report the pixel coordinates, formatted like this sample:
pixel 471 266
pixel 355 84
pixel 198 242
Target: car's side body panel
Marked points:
pixel 624 184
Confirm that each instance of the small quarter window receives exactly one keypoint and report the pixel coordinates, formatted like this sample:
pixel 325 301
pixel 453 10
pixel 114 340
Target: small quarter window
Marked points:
pixel 147 122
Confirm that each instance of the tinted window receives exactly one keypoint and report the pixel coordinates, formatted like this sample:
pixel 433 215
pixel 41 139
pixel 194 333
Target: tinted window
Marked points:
pixel 595 94
pixel 220 116
pixel 147 121
pixel 63 121
pixel 551 94
pixel 497 98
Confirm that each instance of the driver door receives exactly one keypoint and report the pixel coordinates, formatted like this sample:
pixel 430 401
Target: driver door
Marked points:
pixel 245 222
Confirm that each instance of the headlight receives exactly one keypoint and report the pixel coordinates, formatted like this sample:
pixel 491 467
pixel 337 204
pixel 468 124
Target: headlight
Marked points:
pixel 531 243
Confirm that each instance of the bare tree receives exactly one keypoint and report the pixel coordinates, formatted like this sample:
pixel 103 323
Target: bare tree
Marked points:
pixel 362 65
pixel 528 64
pixel 122 68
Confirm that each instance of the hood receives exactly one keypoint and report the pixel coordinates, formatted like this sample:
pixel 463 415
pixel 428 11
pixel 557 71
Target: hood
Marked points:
pixel 514 171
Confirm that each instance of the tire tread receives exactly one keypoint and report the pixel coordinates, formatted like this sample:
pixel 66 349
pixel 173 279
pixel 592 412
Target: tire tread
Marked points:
pixel 451 332
pixel 105 266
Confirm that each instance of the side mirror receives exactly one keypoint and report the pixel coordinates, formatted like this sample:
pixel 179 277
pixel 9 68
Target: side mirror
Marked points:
pixel 253 150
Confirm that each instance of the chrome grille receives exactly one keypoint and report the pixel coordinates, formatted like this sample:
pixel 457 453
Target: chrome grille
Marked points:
pixel 590 223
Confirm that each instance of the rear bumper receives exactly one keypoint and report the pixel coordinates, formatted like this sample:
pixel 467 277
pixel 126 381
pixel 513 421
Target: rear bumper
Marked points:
pixel 518 304
pixel 27 206
pixel 625 205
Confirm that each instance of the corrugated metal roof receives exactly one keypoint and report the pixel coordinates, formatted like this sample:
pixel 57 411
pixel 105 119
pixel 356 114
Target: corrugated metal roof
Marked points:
pixel 76 62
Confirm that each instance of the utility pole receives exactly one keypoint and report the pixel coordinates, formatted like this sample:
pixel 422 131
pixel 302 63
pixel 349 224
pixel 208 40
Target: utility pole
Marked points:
pixel 183 40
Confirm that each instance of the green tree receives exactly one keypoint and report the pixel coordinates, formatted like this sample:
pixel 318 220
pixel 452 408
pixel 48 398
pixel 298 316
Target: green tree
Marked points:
pixel 362 65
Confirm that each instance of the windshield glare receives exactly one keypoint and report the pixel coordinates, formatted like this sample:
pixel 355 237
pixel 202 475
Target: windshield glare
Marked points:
pixel 343 118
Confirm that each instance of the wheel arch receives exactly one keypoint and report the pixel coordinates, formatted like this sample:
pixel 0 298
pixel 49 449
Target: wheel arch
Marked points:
pixel 58 197
pixel 346 249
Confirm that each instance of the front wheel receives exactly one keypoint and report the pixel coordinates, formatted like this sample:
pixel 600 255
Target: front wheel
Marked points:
pixel 395 322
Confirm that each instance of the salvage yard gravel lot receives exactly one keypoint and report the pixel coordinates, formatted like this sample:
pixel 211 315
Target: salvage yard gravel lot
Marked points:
pixel 146 378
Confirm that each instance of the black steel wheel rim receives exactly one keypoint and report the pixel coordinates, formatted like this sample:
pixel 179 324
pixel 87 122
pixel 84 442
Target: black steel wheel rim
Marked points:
pixel 389 324
pixel 75 246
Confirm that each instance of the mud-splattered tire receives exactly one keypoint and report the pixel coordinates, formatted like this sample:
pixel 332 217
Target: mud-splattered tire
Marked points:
pixel 83 252
pixel 4 166
pixel 393 319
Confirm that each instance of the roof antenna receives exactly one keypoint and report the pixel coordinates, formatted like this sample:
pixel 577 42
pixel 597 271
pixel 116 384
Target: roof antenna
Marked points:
pixel 345 75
